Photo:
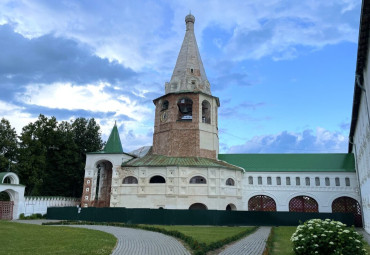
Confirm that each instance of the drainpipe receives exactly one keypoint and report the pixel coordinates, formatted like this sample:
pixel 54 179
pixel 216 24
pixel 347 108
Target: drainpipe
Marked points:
pixel 358 180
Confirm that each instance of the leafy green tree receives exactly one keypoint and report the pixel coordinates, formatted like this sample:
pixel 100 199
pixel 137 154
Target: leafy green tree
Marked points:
pixel 52 155
pixel 8 146
pixel 36 140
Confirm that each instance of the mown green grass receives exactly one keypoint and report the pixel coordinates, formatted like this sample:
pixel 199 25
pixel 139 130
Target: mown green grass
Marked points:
pixel 19 238
pixel 206 234
pixel 281 240
pixel 282 244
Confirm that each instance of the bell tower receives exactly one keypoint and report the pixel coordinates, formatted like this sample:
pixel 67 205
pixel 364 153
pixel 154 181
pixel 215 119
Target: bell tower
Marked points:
pixel 186 115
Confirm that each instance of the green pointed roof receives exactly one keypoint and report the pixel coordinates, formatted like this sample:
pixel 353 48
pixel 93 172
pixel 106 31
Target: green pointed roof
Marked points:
pixel 113 144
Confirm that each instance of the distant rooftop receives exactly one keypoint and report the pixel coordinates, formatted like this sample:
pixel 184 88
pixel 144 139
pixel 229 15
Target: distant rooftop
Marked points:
pixel 153 160
pixel 336 162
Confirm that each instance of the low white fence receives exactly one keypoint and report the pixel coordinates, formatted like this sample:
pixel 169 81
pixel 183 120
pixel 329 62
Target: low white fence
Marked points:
pixel 33 205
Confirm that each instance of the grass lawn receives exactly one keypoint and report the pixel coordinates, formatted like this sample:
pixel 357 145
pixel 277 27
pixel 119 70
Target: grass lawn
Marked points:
pixel 281 240
pixel 19 238
pixel 282 244
pixel 207 234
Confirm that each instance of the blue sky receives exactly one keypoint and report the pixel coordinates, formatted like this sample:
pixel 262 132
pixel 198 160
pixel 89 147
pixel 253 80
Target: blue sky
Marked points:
pixel 283 70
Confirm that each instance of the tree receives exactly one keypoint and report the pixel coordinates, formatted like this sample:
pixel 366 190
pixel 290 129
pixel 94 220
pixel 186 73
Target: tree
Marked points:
pixel 52 155
pixel 8 146
pixel 36 140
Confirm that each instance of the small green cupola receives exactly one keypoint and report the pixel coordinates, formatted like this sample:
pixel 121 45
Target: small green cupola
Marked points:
pixel 113 144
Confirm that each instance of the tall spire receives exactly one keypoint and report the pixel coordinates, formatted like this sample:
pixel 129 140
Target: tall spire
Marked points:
pixel 113 144
pixel 189 74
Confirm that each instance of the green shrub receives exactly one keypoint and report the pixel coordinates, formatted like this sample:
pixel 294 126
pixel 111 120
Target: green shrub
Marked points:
pixel 32 216
pixel 326 237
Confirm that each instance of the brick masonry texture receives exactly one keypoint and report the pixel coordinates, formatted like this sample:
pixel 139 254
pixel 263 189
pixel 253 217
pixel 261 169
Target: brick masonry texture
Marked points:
pixel 178 138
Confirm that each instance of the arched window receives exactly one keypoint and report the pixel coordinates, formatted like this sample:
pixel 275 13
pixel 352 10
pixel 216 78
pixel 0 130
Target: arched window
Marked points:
pixel 250 179
pixel 230 207
pixel 185 106
pixel 157 179
pixel 297 181
pixel 308 181
pixel 198 206
pixel 269 182
pixel 337 181
pixel 165 105
pixel 287 180
pixel 348 183
pixel 230 182
pixel 261 203
pixel 303 204
pixel 206 112
pixel 317 181
pixel 198 180
pixel 327 181
pixel 130 180
pixel 259 180
pixel 278 181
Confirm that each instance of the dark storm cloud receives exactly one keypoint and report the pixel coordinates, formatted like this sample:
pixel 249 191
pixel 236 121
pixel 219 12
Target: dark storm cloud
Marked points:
pixel 49 59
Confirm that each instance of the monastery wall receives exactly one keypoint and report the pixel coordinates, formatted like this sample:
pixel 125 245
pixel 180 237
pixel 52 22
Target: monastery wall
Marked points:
pixel 177 192
pixel 361 147
pixel 324 187
pixel 33 205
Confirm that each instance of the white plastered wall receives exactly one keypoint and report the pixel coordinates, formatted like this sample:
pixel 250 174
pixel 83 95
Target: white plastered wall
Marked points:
pixel 282 194
pixel 177 192
pixel 362 146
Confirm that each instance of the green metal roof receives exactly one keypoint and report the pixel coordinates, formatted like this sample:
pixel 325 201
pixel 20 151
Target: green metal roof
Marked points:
pixel 336 162
pixel 153 160
pixel 113 145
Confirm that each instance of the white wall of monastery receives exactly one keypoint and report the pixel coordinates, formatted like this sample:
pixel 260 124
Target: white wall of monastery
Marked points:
pixel 362 146
pixel 33 205
pixel 283 193
pixel 177 192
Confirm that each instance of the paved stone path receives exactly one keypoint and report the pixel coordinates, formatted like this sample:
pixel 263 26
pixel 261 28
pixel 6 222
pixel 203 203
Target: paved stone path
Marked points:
pixel 137 241
pixel 253 244
pixel 141 242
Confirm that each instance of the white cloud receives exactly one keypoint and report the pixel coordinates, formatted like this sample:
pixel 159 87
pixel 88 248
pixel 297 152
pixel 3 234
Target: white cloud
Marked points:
pixel 16 115
pixel 90 98
pixel 136 34
pixel 308 141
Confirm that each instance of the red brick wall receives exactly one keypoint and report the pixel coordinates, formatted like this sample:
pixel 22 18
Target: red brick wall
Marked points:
pixel 178 138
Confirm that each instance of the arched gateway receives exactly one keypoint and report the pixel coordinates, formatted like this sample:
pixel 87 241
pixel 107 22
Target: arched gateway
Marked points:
pixel 348 205
pixel 11 196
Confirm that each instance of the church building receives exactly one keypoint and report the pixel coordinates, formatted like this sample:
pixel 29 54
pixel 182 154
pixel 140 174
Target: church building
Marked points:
pixel 184 170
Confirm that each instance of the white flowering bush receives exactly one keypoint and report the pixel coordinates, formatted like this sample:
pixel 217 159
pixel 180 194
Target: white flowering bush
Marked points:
pixel 327 237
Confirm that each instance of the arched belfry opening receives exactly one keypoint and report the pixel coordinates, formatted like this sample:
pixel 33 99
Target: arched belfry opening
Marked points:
pixel 185 106
pixel 103 183
pixel 206 112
